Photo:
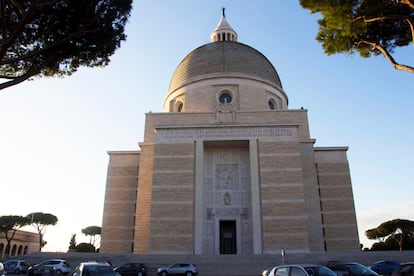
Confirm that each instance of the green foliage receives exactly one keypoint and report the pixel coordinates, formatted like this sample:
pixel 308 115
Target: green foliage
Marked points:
pixel 40 221
pixel 72 242
pixel 56 37
pixel 42 218
pixel 395 232
pixel 92 231
pixel 369 27
pixel 8 223
pixel 85 247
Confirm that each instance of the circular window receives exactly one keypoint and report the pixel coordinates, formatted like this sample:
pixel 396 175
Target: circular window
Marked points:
pixel 225 97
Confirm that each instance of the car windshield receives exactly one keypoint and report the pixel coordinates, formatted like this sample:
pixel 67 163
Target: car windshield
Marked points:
pixel 320 271
pixel 98 271
pixel 360 269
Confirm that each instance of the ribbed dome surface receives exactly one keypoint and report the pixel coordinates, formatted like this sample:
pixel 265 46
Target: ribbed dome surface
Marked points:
pixel 224 57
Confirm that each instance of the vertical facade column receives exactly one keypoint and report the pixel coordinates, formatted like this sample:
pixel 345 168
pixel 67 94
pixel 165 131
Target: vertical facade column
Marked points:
pixel 198 197
pixel 144 196
pixel 255 193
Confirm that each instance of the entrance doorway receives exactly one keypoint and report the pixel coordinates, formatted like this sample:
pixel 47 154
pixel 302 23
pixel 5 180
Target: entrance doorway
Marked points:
pixel 228 236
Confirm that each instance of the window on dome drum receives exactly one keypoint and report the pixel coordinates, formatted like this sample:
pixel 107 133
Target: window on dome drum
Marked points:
pixel 225 97
pixel 271 104
pixel 180 107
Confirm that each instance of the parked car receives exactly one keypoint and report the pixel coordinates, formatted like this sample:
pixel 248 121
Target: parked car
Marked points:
pixel 94 269
pixel 61 266
pixel 301 270
pixel 131 269
pixel 16 266
pixel 385 267
pixel 266 271
pixel 404 269
pixel 178 269
pixel 40 270
pixel 2 269
pixel 351 269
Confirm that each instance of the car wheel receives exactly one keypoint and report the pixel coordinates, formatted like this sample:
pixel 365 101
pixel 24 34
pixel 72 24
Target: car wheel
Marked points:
pixel 140 274
pixel 17 271
pixel 189 273
pixel 164 273
pixel 59 272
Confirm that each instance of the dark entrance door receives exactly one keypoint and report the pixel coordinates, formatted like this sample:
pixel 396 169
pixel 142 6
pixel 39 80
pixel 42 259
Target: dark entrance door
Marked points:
pixel 228 240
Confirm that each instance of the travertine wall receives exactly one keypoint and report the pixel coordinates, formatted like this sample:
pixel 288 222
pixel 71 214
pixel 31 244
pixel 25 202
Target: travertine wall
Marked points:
pixel 303 200
pixel 337 203
pixel 201 95
pixel 171 222
pixel 120 197
pixel 283 198
pixel 143 203
pixel 312 200
pixel 23 242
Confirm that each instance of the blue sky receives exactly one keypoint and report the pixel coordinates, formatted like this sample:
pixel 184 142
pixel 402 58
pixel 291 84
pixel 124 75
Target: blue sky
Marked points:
pixel 55 132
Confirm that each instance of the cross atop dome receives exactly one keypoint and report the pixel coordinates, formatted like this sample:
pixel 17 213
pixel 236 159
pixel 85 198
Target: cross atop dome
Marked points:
pixel 223 31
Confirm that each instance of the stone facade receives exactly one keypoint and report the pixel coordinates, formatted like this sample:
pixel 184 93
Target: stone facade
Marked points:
pixel 23 242
pixel 228 168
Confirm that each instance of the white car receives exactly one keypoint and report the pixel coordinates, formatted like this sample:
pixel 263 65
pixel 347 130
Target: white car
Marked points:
pixel 16 266
pixel 61 266
pixel 95 269
pixel 2 269
pixel 301 270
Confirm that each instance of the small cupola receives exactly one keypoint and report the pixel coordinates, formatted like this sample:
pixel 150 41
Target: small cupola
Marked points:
pixel 223 31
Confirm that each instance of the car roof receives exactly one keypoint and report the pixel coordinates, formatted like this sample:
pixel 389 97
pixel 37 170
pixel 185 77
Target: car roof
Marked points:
pixel 302 265
pixel 95 264
pixel 299 265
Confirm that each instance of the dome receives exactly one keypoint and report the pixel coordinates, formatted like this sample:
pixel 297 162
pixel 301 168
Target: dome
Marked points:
pixel 227 58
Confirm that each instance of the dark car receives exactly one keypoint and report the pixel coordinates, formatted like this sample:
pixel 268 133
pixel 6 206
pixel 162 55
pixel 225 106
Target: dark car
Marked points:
pixel 404 269
pixel 351 269
pixel 16 266
pixel 385 267
pixel 41 270
pixel 131 269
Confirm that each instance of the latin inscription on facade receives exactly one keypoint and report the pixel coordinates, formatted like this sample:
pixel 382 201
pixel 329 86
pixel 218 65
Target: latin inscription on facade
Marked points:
pixel 168 135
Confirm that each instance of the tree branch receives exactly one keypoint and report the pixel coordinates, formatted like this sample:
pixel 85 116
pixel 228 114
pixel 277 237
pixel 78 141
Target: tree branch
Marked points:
pixel 406 2
pixel 408 19
pixel 33 71
pixel 18 6
pixel 388 56
pixel 26 16
pixel 7 41
pixel 3 14
pixel 48 47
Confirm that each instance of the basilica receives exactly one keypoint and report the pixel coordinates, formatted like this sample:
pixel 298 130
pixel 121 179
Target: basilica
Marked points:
pixel 228 167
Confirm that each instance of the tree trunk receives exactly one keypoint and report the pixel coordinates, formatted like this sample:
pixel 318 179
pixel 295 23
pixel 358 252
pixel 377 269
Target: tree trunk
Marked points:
pixel 388 56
